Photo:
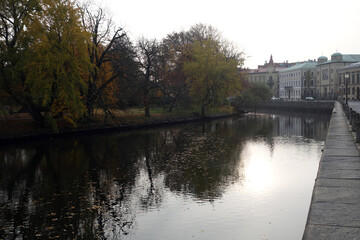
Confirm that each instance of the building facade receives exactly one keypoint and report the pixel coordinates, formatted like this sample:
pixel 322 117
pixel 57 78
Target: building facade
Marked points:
pixel 327 79
pixel 349 78
pixel 268 74
pixel 298 81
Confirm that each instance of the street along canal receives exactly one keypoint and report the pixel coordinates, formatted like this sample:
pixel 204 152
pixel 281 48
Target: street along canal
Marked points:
pixel 241 178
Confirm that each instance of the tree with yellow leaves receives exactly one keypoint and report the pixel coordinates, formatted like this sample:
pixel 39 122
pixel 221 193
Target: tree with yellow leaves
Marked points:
pixel 212 74
pixel 57 62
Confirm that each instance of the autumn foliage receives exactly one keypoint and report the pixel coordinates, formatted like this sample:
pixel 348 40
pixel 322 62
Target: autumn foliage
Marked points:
pixel 62 60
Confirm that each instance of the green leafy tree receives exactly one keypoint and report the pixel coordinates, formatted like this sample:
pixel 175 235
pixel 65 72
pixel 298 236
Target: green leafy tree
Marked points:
pixel 15 17
pixel 57 62
pixel 252 96
pixel 176 48
pixel 43 58
pixel 211 74
pixel 262 91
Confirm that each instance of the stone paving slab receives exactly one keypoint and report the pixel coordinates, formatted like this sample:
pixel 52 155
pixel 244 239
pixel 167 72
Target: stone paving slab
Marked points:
pixel 329 158
pixel 338 143
pixel 335 214
pixel 340 165
pixel 340 174
pixel 348 151
pixel 340 138
pixel 335 207
pixel 336 195
pixel 336 183
pixel 323 232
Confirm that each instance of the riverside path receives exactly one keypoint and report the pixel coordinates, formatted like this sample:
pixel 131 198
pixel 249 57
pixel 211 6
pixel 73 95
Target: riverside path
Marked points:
pixel 335 206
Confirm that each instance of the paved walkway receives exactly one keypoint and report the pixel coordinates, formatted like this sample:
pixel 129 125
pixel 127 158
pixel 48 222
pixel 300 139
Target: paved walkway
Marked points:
pixel 335 207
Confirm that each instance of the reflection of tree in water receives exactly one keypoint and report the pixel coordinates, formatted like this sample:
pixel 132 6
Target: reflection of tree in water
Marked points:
pixel 201 164
pixel 202 161
pixel 63 192
pixel 92 187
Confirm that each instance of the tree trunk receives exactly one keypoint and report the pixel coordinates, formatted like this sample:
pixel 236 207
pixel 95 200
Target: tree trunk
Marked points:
pixel 146 106
pixel 147 111
pixel 173 103
pixel 203 111
pixel 35 114
pixel 172 106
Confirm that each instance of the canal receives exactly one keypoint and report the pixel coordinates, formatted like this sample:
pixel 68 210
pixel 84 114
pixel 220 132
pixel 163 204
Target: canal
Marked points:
pixel 248 178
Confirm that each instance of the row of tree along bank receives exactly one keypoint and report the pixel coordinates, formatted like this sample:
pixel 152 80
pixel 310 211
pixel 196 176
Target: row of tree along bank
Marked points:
pixel 63 60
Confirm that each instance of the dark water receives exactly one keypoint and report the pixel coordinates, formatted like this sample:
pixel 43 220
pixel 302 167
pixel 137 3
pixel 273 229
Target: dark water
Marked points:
pixel 244 178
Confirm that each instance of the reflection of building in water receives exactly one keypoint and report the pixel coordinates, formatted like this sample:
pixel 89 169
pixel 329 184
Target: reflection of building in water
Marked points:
pixel 312 127
pixel 290 126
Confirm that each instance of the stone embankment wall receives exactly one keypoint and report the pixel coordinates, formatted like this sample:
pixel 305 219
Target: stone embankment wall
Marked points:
pixel 311 106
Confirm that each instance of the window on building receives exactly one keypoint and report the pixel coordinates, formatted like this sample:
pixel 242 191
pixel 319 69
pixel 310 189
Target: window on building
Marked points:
pixel 353 78
pixel 353 90
pixel 325 74
pixel 357 78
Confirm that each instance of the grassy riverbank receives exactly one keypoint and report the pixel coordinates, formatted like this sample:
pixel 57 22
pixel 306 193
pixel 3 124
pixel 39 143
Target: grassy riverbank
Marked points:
pixel 19 125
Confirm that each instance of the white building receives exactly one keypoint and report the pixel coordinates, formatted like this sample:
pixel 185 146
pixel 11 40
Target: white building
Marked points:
pixel 328 84
pixel 298 81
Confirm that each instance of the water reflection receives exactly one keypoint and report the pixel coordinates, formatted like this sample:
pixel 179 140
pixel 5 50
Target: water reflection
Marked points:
pixel 131 185
pixel 256 166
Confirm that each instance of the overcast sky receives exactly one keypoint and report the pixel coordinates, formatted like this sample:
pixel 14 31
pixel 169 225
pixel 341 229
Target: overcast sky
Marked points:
pixel 289 30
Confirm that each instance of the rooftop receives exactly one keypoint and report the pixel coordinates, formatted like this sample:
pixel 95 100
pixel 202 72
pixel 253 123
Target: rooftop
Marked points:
pixel 299 66
pixel 351 66
pixel 342 58
pixel 276 67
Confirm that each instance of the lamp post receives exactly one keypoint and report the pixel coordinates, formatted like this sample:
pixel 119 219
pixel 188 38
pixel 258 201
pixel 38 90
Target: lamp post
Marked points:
pixel 346 87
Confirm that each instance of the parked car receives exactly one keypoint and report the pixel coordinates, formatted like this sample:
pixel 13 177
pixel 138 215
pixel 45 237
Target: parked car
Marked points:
pixel 309 99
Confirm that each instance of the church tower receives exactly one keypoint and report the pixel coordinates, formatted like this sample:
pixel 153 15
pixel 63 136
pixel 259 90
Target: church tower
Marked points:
pixel 271 65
